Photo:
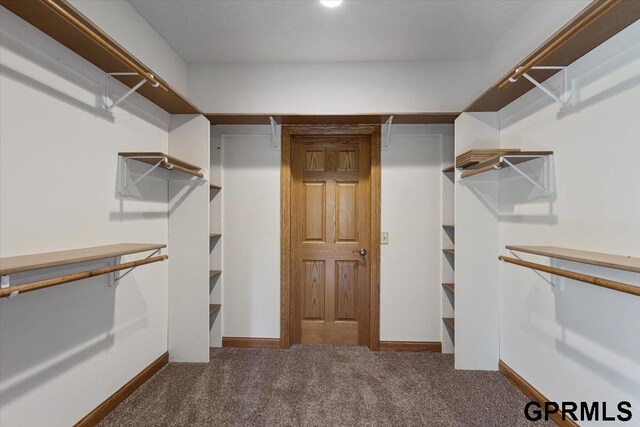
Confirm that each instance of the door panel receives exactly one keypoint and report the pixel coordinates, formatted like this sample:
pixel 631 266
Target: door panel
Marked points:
pixel 329 278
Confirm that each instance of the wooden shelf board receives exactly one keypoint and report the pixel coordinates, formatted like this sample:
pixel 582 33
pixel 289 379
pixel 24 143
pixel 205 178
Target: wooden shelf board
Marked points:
pixel 450 322
pixel 618 262
pixel 214 187
pixel 215 234
pixel 17 264
pixel 153 161
pixel 214 273
pixel 320 119
pixel 50 23
pixel 449 286
pixel 214 307
pixel 617 18
pixel 448 226
pixel 449 251
pixel 515 158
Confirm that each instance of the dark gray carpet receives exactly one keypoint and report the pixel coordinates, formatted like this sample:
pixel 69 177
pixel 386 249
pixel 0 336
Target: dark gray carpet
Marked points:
pixel 322 385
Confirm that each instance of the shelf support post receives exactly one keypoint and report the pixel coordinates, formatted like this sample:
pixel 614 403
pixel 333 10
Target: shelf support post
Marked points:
pixel 386 142
pixel 128 93
pixel 275 134
pixel 5 283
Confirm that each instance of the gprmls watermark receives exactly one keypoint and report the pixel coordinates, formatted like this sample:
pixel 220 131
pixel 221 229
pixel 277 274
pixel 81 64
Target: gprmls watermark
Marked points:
pixel 578 411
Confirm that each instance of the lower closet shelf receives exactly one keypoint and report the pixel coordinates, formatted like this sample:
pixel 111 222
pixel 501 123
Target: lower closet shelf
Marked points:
pixel 214 273
pixel 214 307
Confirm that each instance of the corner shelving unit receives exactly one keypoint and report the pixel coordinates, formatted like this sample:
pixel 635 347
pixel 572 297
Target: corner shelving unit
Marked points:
pixel 448 243
pixel 215 243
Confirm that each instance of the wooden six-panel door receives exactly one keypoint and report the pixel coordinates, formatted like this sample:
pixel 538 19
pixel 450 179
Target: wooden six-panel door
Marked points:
pixel 330 225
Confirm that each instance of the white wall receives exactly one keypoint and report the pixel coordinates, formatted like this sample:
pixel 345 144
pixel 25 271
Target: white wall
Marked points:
pixel 410 269
pixel 72 346
pixel 126 26
pixel 333 88
pixel 251 233
pixel 410 290
pixel 578 342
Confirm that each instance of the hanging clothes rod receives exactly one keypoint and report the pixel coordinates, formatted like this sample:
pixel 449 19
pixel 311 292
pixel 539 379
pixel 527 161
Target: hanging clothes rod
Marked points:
pixel 28 287
pixel 61 8
pixel 171 166
pixel 597 11
pixel 596 281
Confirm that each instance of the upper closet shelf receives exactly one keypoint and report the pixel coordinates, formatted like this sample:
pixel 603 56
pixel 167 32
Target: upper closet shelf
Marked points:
pixel 64 23
pixel 330 119
pixel 24 263
pixel 598 22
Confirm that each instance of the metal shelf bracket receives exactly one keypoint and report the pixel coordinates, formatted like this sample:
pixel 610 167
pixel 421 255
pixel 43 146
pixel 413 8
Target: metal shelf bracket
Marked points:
pixel 117 277
pixel 386 141
pixel 275 134
pixel 568 102
pixel 544 188
pixel 5 283
pixel 125 187
pixel 128 93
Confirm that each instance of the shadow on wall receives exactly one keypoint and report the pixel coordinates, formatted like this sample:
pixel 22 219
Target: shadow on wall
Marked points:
pixel 586 326
pixel 619 53
pixel 502 191
pixel 41 337
pixel 71 72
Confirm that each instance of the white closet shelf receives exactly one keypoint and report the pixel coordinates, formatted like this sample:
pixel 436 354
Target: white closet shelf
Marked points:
pixel 449 286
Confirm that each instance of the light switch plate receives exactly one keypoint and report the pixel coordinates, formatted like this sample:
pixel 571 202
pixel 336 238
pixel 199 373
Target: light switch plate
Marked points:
pixel 384 238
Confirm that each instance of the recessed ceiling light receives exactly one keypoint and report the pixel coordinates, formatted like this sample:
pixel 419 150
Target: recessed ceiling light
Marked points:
pixel 331 3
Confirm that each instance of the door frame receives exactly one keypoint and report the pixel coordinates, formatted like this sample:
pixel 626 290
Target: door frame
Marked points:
pixel 286 182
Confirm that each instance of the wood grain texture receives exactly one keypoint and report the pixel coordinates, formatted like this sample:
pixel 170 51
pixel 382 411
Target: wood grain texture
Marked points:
pixel 618 262
pixel 374 254
pixel 43 18
pixel 416 346
pixel 532 393
pixel 289 328
pixel 99 413
pixel 285 239
pixel 621 15
pixel 246 342
pixel 329 186
pixel 16 264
